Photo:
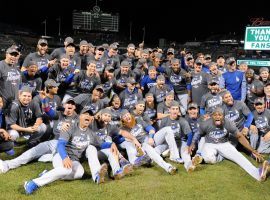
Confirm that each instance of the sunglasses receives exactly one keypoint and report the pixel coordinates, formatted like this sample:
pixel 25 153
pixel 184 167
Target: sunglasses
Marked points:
pixel 258 104
pixel 14 54
pixel 43 45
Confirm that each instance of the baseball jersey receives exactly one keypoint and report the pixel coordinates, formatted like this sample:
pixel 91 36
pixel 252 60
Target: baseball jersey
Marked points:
pixel 163 108
pixel 262 121
pixel 150 112
pixel 214 134
pixel 236 113
pixel 85 101
pixel 194 125
pixel 138 130
pixel 10 80
pixel 128 99
pixel 78 140
pixel 199 86
pixel 84 83
pixel 57 125
pixel 179 126
pixel 34 82
pixel 41 60
pixel 105 133
pixel 100 64
pixel 211 101
pixel 23 116
pixel 159 94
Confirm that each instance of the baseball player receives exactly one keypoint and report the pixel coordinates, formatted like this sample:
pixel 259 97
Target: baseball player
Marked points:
pixel 64 122
pixel 25 118
pixel 152 142
pixel 182 133
pixel 70 147
pixel 216 131
pixel 260 139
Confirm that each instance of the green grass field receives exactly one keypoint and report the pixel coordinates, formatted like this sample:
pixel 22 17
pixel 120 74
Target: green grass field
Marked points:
pixel 225 180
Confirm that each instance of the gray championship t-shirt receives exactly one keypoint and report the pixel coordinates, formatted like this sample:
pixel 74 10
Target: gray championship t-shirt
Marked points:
pixel 236 113
pixel 214 134
pixel 10 80
pixel 79 140
pixel 262 121
pixel 179 126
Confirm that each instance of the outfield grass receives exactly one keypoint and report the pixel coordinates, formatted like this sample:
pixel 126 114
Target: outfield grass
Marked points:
pixel 225 180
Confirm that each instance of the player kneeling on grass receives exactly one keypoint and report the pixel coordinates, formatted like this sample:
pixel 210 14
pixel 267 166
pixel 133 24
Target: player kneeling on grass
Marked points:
pixel 216 131
pixel 141 132
pixel 70 147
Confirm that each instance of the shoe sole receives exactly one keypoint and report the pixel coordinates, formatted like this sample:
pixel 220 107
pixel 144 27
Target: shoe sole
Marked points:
pixel 265 167
pixel 140 152
pixel 102 172
pixel 127 169
pixel 119 176
pixel 173 171
pixel 191 169
pixel 196 160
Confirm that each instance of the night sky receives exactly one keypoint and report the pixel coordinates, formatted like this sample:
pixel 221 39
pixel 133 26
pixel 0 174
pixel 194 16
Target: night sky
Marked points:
pixel 180 23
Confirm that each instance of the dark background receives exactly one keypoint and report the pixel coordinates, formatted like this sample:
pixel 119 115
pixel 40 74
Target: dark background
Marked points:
pixel 192 20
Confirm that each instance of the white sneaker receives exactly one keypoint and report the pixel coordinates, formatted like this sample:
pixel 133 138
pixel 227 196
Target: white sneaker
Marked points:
pixel 46 158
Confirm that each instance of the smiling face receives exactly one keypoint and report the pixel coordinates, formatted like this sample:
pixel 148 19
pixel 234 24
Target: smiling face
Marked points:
pixel 25 98
pixel 228 99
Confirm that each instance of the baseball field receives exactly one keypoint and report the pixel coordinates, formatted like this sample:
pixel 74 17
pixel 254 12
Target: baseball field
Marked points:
pixel 220 181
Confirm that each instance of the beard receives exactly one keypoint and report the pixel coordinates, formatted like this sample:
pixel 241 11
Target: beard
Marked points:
pixel 130 124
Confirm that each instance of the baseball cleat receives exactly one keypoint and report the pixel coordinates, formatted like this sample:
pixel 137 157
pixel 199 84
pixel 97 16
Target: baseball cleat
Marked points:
pixel 172 170
pixel 119 174
pixel 30 187
pixel 197 159
pixel 145 159
pixel 191 168
pixel 100 178
pixel 128 169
